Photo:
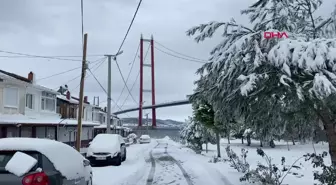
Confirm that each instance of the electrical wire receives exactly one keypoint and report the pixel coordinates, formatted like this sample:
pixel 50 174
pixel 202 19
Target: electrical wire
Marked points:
pixel 197 61
pixel 60 56
pixel 122 105
pixel 86 77
pixel 129 74
pixel 38 56
pixel 64 72
pixel 121 45
pixel 136 78
pixel 130 26
pixel 96 63
pixel 101 86
pixel 179 52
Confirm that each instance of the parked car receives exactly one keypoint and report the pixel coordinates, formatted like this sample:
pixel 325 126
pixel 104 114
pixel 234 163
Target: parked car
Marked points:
pixel 107 149
pixel 41 162
pixel 144 139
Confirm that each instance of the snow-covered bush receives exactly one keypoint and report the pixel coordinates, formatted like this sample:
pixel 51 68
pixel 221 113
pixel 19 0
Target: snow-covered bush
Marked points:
pixel 195 134
pixel 270 174
pixel 328 174
pixel 240 164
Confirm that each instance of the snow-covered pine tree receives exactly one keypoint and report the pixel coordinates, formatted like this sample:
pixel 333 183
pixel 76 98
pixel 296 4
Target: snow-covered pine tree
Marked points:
pixel 205 115
pixel 248 72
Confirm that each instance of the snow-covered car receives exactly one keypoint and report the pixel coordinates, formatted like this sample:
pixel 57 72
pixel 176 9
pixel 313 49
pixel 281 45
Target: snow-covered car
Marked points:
pixel 107 149
pixel 144 139
pixel 32 161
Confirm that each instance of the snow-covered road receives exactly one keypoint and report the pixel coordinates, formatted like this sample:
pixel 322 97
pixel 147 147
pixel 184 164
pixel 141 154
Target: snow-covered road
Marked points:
pixel 163 162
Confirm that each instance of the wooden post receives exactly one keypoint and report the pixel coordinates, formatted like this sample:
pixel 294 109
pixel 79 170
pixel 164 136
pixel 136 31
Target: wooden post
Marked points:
pixel 81 96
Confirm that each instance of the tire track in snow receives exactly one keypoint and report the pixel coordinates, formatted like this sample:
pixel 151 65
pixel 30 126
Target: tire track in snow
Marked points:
pixel 152 170
pixel 151 174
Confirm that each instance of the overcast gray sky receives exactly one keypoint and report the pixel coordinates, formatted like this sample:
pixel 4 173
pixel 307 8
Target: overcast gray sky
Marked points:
pixel 53 28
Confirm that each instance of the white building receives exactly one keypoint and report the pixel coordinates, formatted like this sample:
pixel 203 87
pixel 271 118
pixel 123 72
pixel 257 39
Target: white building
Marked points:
pixel 30 110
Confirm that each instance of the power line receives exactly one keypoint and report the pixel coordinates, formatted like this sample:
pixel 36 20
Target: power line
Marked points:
pixel 131 89
pixel 137 76
pixel 129 27
pixel 96 63
pixel 38 56
pixel 197 61
pixel 121 45
pixel 122 77
pixel 63 72
pixel 179 52
pixel 129 74
pixel 60 56
pixel 102 86
pixel 97 67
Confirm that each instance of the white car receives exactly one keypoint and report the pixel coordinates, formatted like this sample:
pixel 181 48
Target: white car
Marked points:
pixel 42 161
pixel 107 149
pixel 144 139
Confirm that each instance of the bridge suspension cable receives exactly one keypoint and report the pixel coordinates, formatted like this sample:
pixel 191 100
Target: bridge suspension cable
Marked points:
pixel 178 53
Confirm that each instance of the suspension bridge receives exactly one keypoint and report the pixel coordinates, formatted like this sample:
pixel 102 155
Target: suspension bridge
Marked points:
pixel 140 107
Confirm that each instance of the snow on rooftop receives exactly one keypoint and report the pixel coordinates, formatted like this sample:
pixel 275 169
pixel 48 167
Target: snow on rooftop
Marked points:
pixel 7 77
pixel 72 100
pixel 24 119
pixel 69 162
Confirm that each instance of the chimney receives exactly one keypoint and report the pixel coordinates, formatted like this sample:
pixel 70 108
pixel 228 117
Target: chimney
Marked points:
pixel 85 99
pixel 68 95
pixel 31 77
pixel 105 109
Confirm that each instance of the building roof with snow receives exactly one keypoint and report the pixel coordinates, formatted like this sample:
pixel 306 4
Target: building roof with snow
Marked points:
pixel 23 80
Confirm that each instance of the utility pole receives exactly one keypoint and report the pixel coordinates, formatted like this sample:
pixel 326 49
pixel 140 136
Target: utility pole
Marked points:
pixel 81 96
pixel 108 115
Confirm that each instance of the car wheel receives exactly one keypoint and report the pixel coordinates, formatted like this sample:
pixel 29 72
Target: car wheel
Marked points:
pixel 119 159
pixel 124 157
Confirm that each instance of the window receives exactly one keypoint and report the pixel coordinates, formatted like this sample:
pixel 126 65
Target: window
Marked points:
pixel 48 101
pixel 29 101
pixel 11 97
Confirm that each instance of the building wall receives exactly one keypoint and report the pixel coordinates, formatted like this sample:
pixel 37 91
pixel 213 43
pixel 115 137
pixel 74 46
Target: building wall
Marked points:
pixel 21 98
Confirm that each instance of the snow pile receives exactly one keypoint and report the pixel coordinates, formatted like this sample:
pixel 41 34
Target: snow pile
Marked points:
pixel 20 164
pixel 167 138
pixel 65 159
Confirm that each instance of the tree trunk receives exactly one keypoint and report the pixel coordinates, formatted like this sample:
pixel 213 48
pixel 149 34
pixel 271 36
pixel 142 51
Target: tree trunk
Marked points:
pixel 293 140
pixel 272 144
pixel 261 143
pixel 242 139
pixel 248 139
pixel 228 137
pixel 331 137
pixel 206 147
pixel 218 145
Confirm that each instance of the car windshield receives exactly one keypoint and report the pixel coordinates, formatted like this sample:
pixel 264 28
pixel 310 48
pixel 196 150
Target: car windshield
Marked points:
pixel 103 138
pixel 6 156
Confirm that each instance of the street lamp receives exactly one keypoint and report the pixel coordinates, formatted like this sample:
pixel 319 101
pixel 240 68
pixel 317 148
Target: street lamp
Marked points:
pixel 108 115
